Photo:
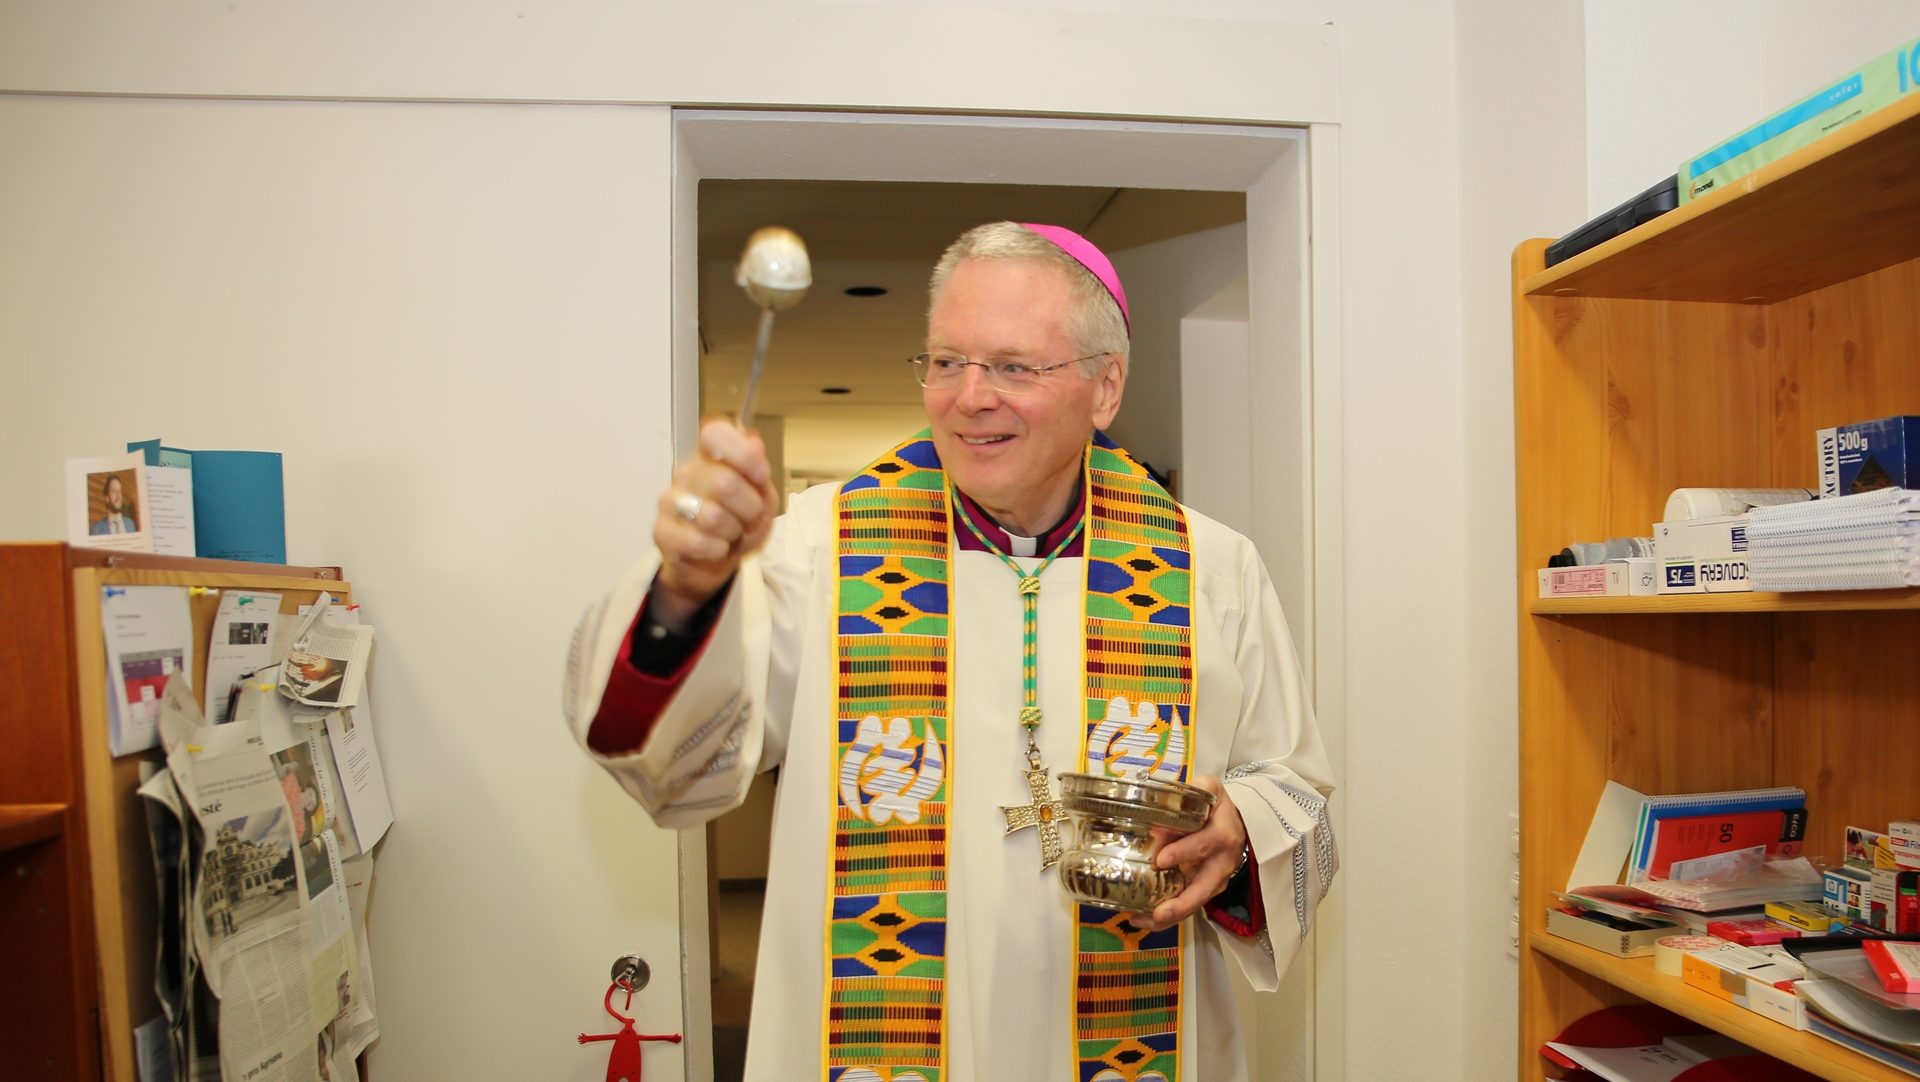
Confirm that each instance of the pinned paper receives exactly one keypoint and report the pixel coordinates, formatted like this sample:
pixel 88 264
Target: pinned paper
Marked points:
pixel 360 774
pixel 326 662
pixel 240 645
pixel 149 635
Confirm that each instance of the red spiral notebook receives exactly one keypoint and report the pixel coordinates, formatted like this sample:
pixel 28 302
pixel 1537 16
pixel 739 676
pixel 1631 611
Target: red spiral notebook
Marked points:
pixel 1693 826
pixel 1780 831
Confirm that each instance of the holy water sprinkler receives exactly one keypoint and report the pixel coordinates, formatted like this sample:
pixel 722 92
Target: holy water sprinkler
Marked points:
pixel 775 273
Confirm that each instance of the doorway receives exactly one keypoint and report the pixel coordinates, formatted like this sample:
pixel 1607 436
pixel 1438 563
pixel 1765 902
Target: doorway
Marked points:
pixel 837 391
pixel 840 391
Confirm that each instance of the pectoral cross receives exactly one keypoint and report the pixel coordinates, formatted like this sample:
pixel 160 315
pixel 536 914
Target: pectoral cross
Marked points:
pixel 1045 812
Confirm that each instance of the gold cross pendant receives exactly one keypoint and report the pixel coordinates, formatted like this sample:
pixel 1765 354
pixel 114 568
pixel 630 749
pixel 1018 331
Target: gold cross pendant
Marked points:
pixel 1045 812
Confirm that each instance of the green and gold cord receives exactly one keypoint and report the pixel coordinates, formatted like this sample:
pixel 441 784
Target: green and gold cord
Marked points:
pixel 1029 619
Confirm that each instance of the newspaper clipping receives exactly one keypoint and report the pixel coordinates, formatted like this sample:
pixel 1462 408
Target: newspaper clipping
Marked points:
pixel 262 971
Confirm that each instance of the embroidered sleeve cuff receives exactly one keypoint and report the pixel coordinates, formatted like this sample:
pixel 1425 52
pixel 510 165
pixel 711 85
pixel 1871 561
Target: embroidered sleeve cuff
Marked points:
pixel 646 673
pixel 1238 908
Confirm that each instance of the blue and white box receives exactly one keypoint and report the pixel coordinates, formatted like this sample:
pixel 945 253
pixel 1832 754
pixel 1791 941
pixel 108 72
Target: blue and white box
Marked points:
pixel 1869 455
pixel 1705 575
pixel 1722 535
pixel 1844 891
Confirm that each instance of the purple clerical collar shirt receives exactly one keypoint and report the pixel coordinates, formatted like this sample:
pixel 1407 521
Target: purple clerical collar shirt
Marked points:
pixel 1014 544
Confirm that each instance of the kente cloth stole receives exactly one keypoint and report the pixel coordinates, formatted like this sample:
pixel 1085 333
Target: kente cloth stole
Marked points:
pixel 886 938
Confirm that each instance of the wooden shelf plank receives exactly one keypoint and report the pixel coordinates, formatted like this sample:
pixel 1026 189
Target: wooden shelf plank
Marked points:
pixel 1637 977
pixel 1828 601
pixel 25 824
pixel 1836 209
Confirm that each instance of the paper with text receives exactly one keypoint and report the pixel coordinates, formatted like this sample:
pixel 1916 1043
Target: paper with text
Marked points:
pixel 149 638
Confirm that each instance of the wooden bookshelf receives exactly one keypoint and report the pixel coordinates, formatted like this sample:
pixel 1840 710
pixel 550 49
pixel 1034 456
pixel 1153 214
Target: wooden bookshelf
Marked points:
pixel 76 871
pixel 1636 976
pixel 1705 349
pixel 22 825
pixel 1834 601
pixel 1829 212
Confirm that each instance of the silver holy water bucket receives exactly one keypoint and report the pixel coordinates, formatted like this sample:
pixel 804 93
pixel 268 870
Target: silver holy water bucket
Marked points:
pixel 1109 862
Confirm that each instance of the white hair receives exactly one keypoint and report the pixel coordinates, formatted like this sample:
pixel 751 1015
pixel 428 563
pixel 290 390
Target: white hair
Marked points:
pixel 1095 324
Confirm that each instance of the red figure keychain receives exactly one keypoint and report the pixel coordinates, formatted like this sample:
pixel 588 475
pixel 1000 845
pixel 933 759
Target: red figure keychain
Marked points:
pixel 623 1063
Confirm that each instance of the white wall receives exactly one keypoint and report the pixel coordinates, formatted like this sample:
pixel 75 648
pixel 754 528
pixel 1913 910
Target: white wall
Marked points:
pixel 1216 417
pixel 1218 59
pixel 1405 659
pixel 454 320
pixel 437 312
pixel 1667 81
pixel 1165 281
pixel 483 293
pixel 1523 168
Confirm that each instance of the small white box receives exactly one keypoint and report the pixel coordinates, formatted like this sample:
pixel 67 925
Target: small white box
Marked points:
pixel 1633 577
pixel 1880 897
pixel 1779 1004
pixel 1589 580
pixel 1725 535
pixel 1712 575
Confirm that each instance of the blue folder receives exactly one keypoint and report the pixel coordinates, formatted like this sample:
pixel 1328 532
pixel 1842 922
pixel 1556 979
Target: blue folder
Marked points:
pixel 239 501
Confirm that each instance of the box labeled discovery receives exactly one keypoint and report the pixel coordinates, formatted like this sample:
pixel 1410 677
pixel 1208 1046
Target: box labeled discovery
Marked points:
pixel 1705 575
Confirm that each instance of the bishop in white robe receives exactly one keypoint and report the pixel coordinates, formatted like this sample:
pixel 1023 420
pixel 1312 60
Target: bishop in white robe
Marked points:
pixel 752 686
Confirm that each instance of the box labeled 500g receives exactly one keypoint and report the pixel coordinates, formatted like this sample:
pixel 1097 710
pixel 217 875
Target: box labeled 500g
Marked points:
pixel 1869 455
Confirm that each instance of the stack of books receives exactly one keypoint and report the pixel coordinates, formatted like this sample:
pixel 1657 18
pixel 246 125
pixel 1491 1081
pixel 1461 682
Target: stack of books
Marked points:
pixel 1691 859
pixel 1725 849
pixel 1868 541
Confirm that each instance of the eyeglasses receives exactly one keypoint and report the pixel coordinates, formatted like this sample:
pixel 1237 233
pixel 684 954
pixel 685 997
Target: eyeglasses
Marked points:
pixel 945 371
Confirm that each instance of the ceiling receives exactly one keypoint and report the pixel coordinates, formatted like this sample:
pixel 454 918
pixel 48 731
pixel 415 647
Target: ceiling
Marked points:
pixel 886 235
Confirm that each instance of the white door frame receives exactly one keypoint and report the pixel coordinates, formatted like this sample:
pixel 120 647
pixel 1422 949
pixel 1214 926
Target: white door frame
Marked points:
pixel 1291 180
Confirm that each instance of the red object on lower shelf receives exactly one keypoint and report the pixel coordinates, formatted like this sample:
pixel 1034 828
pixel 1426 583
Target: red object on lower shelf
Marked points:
pixel 1636 1024
pixel 1625 1026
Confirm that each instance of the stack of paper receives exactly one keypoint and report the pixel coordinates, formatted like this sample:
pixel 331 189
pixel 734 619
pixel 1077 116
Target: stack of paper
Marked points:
pixel 1867 541
pixel 1847 1004
pixel 1756 883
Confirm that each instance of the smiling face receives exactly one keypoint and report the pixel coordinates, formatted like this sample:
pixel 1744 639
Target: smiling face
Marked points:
pixel 1018 455
pixel 116 495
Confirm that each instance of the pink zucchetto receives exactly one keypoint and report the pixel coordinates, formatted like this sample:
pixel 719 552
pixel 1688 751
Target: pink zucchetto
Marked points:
pixel 1087 255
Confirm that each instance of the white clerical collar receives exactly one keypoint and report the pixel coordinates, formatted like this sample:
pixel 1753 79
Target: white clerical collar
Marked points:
pixel 1022 546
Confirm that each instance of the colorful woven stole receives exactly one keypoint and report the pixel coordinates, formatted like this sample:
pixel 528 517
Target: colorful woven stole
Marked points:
pixel 885 1007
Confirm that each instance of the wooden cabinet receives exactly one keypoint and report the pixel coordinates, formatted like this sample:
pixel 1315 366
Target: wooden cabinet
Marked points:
pixel 1706 348
pixel 76 876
